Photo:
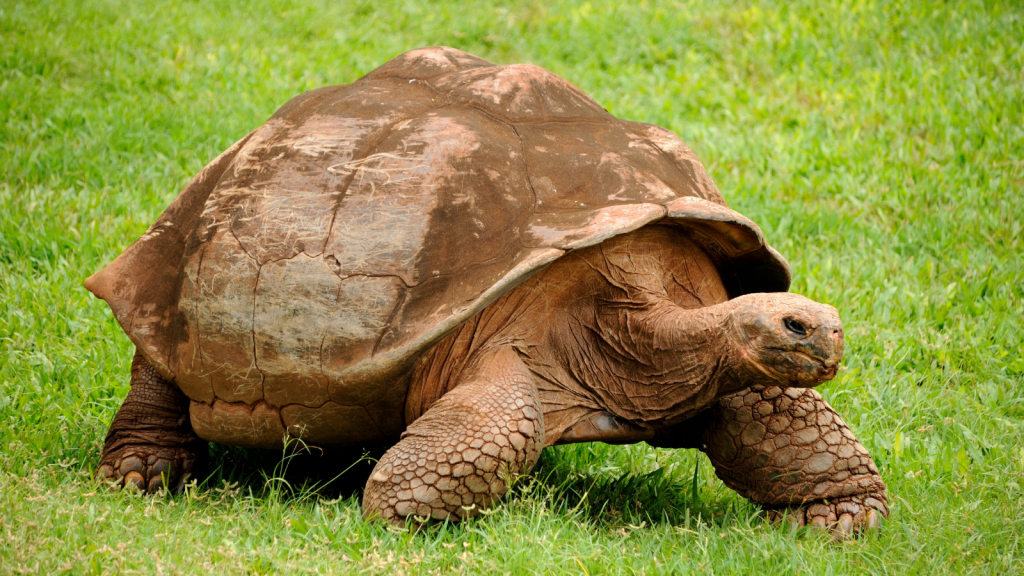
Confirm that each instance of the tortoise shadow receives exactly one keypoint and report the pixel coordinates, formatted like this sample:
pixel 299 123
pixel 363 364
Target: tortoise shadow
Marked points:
pixel 612 498
pixel 609 499
pixel 301 470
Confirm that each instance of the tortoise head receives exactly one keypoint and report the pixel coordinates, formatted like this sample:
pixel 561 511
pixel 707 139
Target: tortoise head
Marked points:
pixel 790 339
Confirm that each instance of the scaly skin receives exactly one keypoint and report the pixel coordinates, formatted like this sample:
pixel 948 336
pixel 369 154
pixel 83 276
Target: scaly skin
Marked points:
pixel 789 451
pixel 150 444
pixel 459 456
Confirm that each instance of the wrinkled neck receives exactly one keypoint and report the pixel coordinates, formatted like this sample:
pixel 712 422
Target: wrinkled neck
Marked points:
pixel 652 362
pixel 708 337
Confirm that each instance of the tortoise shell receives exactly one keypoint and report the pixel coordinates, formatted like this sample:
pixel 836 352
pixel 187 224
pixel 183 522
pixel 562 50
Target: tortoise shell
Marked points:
pixel 299 275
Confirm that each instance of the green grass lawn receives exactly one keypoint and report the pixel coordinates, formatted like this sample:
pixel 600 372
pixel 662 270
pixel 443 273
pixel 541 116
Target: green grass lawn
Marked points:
pixel 879 145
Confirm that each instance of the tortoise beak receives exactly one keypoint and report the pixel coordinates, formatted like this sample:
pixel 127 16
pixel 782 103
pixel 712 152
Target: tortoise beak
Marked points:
pixel 825 345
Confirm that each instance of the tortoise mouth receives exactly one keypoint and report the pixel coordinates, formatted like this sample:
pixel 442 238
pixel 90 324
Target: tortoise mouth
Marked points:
pixel 823 370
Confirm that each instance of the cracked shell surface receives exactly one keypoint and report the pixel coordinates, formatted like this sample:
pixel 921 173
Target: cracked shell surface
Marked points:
pixel 299 275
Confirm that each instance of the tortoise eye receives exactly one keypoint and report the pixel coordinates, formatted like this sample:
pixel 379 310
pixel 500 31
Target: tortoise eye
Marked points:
pixel 795 326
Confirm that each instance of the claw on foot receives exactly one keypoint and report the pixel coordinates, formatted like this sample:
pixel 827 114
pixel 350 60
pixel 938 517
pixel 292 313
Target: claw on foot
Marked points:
pixel 135 480
pixel 146 471
pixel 842 518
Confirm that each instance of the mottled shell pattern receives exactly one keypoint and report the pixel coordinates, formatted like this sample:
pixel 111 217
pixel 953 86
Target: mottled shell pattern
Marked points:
pixel 294 281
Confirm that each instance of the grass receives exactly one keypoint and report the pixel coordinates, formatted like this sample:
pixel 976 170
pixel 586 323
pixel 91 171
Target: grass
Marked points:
pixel 880 145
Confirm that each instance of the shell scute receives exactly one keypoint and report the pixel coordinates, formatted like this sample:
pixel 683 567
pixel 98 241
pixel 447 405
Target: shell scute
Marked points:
pixel 281 194
pixel 295 302
pixel 364 308
pixel 286 208
pixel 331 423
pixel 384 216
pixel 222 304
pixel 438 299
pixel 694 174
pixel 257 426
pixel 590 165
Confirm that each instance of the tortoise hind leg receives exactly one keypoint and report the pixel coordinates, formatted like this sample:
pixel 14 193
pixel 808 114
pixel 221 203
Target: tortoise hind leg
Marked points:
pixel 789 451
pixel 457 457
pixel 150 441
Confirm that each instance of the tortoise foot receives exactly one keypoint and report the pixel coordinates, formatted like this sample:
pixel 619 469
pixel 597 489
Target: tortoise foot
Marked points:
pixel 150 445
pixel 148 469
pixel 456 460
pixel 841 517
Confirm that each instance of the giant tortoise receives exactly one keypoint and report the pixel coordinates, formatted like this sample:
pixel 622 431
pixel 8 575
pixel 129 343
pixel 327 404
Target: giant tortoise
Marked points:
pixel 469 263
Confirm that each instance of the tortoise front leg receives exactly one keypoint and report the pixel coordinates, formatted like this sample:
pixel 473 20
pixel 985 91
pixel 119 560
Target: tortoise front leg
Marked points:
pixel 458 457
pixel 150 444
pixel 789 451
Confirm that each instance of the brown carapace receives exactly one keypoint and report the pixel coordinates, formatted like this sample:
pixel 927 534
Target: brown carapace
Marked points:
pixel 469 263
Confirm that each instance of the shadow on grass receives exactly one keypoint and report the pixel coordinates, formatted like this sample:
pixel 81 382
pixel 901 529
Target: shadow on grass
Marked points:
pixel 298 471
pixel 665 495
pixel 609 498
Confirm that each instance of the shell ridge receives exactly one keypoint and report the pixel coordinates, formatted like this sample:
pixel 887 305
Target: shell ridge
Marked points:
pixel 255 358
pixel 252 405
pixel 199 327
pixel 323 340
pixel 391 318
pixel 524 92
pixel 429 83
pixel 451 58
pixel 373 421
pixel 313 102
pixel 407 63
